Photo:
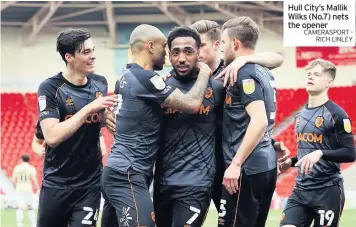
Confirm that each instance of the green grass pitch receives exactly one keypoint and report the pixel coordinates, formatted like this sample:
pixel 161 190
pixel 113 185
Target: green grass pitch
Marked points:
pixel 348 218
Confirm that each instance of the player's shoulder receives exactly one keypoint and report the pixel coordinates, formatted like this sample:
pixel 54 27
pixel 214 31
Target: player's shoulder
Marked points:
pixel 216 85
pixel 52 83
pixel 98 78
pixel 149 79
pixel 140 72
pixel 249 71
pixel 16 168
pixel 336 111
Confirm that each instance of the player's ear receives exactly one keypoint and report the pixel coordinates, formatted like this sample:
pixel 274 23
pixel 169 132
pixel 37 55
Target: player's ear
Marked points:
pixel 216 45
pixel 68 57
pixel 235 44
pixel 150 46
pixel 330 83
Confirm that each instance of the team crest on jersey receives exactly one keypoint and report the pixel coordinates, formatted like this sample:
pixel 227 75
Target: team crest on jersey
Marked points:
pixel 297 122
pixel 42 102
pixel 208 93
pixel 158 82
pixel 69 102
pixel 347 125
pixel 98 94
pixel 319 121
pixel 248 86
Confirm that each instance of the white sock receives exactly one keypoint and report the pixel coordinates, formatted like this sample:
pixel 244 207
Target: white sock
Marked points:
pixel 19 217
pixel 32 216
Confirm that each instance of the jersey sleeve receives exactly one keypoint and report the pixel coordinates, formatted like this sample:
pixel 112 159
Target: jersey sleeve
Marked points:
pixel 39 134
pixel 249 88
pixel 155 88
pixel 47 104
pixel 342 127
pixel 105 92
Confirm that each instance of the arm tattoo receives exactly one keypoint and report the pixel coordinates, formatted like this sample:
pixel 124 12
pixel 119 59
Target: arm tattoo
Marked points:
pixel 191 101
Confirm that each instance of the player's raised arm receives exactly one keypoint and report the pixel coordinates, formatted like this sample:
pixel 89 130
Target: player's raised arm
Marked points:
pixel 269 60
pixel 54 131
pixel 191 101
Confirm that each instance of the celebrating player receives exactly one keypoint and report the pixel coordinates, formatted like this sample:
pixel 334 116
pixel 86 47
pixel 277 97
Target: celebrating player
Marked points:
pixel 185 167
pixel 210 35
pixel 142 93
pixel 249 113
pixel 324 141
pixel 71 105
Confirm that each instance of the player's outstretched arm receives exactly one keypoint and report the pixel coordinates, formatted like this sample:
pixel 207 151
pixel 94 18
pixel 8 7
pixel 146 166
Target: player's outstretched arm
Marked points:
pixel 268 59
pixel 191 101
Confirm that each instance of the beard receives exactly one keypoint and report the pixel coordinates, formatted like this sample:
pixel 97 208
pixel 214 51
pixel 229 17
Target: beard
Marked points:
pixel 228 58
pixel 190 75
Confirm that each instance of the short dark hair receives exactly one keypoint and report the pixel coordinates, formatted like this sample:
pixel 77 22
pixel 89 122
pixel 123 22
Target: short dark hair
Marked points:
pixel 71 40
pixel 25 158
pixel 183 31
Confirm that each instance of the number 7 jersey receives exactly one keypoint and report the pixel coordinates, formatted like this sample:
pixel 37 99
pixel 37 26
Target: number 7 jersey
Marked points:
pixel 254 83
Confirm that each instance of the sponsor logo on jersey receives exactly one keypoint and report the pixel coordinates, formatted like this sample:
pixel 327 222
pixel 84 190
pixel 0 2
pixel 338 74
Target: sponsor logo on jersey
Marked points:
pixel 310 137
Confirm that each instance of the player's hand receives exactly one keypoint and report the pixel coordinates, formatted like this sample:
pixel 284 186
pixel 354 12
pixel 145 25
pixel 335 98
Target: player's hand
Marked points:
pixel 282 151
pixel 308 161
pixel 284 166
pixel 102 103
pixel 43 149
pixel 167 76
pixel 110 121
pixel 231 178
pixel 204 68
pixel 231 70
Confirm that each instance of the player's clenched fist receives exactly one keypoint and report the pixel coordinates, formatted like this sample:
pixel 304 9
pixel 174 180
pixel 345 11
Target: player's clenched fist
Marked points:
pixel 102 103
pixel 204 68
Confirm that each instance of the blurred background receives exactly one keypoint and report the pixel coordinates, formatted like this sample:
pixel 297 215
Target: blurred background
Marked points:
pixel 28 56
